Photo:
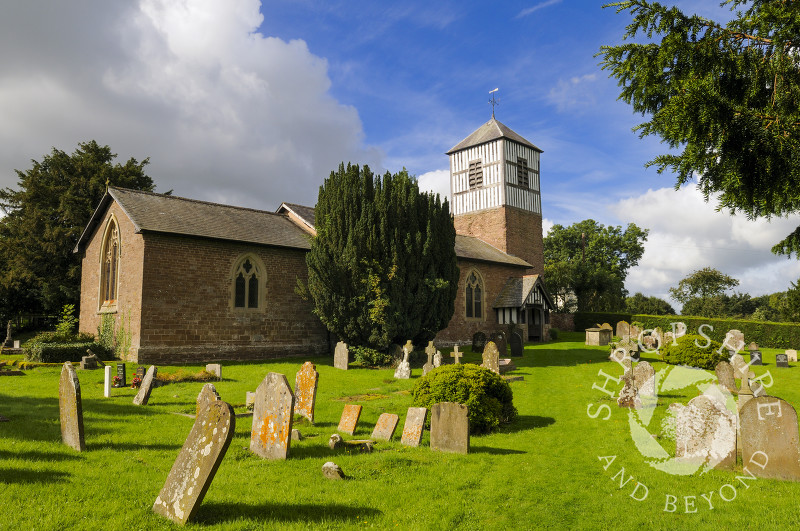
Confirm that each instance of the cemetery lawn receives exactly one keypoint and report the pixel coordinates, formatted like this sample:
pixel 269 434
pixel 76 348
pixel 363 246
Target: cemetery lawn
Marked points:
pixel 542 471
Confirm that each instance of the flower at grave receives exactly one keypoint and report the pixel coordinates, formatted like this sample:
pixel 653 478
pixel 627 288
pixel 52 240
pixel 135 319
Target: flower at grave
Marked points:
pixel 117 381
pixel 136 382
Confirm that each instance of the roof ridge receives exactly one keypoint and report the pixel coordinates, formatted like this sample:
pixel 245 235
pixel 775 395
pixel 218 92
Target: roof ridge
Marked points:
pixel 198 201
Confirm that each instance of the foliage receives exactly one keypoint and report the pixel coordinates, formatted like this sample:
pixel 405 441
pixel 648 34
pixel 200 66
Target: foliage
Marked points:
pixel 703 283
pixel 382 267
pixel 587 262
pixel 61 352
pixel 553 334
pixel 67 322
pixel 725 98
pixel 486 394
pixel 45 217
pixel 693 350
pixel 184 375
pixel 638 303
pixel 105 330
pixel 584 320
pixel 369 357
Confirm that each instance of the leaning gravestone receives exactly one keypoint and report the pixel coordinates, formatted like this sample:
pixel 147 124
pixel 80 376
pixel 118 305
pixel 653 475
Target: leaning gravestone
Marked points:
pixel 349 420
pixel 628 395
pixel 491 358
pixel 450 427
pixel 70 408
pixel 403 370
pixel 478 342
pixel 724 371
pixel 88 362
pixel 208 395
pixel 782 360
pixel 143 395
pixel 791 354
pixel 623 330
pixel 412 429
pixel 499 339
pixel 644 377
pixel 305 391
pixel 197 462
pixel 271 434
pixel 384 428
pixel 705 431
pixel 516 344
pixel 341 356
pixel 770 442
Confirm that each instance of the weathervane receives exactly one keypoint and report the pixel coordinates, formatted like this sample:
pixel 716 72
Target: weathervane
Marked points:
pixel 494 101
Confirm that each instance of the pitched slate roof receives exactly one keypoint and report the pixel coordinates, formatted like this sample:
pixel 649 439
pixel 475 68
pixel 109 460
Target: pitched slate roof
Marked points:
pixel 491 130
pixel 151 212
pixel 516 291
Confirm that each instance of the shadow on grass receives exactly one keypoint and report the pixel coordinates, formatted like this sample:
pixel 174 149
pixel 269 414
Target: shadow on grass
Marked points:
pixel 33 476
pixel 493 451
pixel 560 358
pixel 132 446
pixel 218 513
pixel 527 422
pixel 38 456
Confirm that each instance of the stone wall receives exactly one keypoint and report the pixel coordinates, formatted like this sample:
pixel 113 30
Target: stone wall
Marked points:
pixel 562 321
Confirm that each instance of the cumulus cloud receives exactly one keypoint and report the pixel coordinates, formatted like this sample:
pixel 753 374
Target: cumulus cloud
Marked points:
pixel 436 181
pixel 687 234
pixel 224 113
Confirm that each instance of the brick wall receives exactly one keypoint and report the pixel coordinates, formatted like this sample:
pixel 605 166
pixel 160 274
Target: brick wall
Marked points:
pixel 563 321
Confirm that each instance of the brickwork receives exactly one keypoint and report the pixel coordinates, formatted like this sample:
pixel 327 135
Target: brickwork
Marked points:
pixel 563 321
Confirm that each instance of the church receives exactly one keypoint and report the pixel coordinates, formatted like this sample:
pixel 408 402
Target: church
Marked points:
pixel 190 281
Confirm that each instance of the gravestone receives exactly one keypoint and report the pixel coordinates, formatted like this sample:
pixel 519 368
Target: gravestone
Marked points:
pixel 384 428
pixel 516 344
pixel 208 395
pixel 745 393
pixel 430 351
pixel 249 399
pixel 16 343
pixel 635 331
pixel 305 391
pixel 752 346
pixel 478 342
pixel 705 431
pixel 628 395
pixel 437 359
pixel 739 366
pixel 491 357
pixel 457 355
pixel 332 471
pixel 734 340
pixel 623 330
pixel 108 381
pixel 791 355
pixel 782 360
pixel 644 377
pixel 415 423
pixel 428 367
pixel 679 330
pixel 341 356
pixel 140 372
pixel 143 395
pixel 88 362
pixel 403 370
pixel 335 441
pixel 215 369
pixel 197 462
pixel 755 357
pixel 349 420
pixel 450 427
pixel 669 339
pixel 70 408
pixel 724 371
pixel 606 326
pixel 499 339
pixel 409 347
pixel 598 337
pixel 123 381
pixel 770 442
pixel 271 434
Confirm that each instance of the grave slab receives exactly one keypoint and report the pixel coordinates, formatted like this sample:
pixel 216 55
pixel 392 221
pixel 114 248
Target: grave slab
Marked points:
pixel 349 420
pixel 384 428
pixel 415 423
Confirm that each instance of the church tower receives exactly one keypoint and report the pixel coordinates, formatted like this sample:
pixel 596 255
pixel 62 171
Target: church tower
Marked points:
pixel 494 182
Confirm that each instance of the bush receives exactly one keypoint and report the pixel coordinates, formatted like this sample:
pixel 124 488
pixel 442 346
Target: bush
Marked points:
pixel 553 334
pixel 687 352
pixel 486 394
pixel 60 346
pixel 369 357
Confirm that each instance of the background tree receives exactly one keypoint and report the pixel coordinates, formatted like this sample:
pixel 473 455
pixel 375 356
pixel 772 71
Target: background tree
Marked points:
pixel 703 283
pixel 648 305
pixel 382 267
pixel 724 97
pixel 587 262
pixel 45 217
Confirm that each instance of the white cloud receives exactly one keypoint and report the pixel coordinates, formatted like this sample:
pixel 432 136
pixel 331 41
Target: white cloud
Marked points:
pixel 436 181
pixel 687 234
pixel 223 112
pixel 546 226
pixel 541 5
pixel 573 93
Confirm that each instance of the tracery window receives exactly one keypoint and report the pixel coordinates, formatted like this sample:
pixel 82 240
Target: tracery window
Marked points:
pixel 109 266
pixel 474 296
pixel 247 281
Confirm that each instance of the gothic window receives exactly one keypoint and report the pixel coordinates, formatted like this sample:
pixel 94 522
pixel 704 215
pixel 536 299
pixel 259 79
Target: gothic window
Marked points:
pixel 475 174
pixel 109 266
pixel 522 172
pixel 248 278
pixel 474 296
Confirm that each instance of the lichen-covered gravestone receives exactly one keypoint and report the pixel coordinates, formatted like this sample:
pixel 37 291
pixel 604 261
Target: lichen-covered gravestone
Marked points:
pixel 516 344
pixel 491 357
pixel 273 411
pixel 478 342
pixel 705 431
pixel 197 462
pixel 724 371
pixel 450 427
pixel 208 394
pixel 644 376
pixel 384 428
pixel 430 351
pixel 791 355
pixel 628 395
pixel 770 442
pixel 143 396
pixel 415 423
pixel 341 356
pixel 70 408
pixel 349 420
pixel 734 340
pixel 305 391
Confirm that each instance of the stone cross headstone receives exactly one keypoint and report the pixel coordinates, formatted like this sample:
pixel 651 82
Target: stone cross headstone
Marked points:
pixel 108 381
pixel 644 376
pixel 215 369
pixel 739 365
pixel 457 355
pixel 123 381
pixel 437 359
pixel 403 371
pixel 755 357
pixel 273 411
pixel 724 371
pixel 428 367
pixel 770 442
pixel 516 344
pixel 197 462
pixel 349 420
pixel 623 330
pixel 791 354
pixel 208 394
pixel 450 427
pixel 415 423
pixel 705 431
pixel 70 408
pixel 499 339
pixel 305 391
pixel 341 356
pixel 384 428
pixel 478 342
pixel 408 347
pixel 430 350
pixel 491 357
pixel 143 395
pixel 782 360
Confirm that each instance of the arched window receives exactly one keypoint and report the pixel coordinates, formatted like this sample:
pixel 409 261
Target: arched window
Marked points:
pixel 248 280
pixel 474 296
pixel 109 266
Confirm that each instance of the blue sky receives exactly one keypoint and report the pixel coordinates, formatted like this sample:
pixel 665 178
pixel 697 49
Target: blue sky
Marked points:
pixel 253 103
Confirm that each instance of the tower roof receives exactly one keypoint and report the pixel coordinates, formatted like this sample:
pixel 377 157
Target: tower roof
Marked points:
pixel 491 130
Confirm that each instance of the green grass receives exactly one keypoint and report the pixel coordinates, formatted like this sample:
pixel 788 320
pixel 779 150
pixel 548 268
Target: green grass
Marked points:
pixel 541 472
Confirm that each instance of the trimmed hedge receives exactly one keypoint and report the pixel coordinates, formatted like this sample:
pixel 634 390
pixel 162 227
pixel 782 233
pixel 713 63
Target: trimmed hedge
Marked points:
pixel 61 352
pixel 687 352
pixel 369 357
pixel 584 320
